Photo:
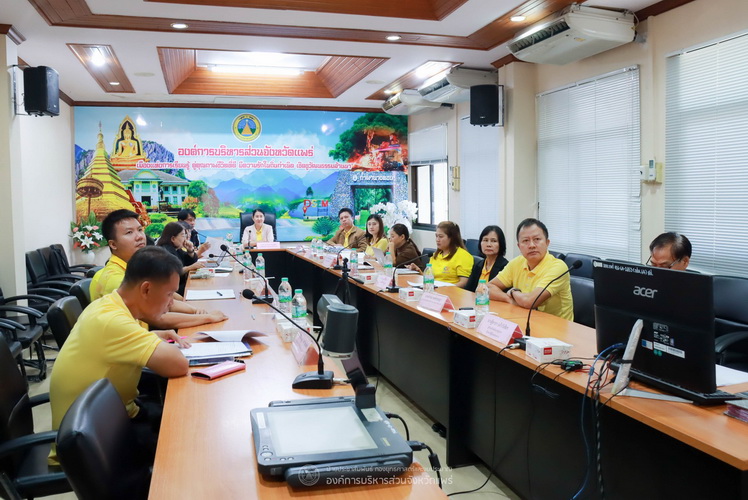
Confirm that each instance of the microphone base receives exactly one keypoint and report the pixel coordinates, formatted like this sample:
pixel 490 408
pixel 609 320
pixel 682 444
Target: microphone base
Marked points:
pixel 392 289
pixel 261 299
pixel 313 380
pixel 522 341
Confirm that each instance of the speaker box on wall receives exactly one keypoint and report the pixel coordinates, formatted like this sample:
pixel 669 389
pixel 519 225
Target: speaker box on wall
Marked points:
pixel 486 105
pixel 41 87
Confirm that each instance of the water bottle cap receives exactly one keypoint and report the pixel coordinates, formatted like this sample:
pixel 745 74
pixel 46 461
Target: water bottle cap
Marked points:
pixel 298 290
pixel 284 279
pixel 428 265
pixel 259 254
pixel 479 281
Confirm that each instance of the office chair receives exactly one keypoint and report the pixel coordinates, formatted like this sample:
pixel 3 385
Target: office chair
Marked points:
pixel 39 276
pixel 57 261
pixel 558 255
pixel 586 270
pixel 95 445
pixel 23 454
pixel 62 316
pixel 245 219
pixel 473 247
pixel 731 321
pixel 8 329
pixel 82 291
pixel 34 322
pixel 583 294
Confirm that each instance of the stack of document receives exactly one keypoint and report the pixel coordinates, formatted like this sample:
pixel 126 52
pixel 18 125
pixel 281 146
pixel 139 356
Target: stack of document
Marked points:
pixel 215 349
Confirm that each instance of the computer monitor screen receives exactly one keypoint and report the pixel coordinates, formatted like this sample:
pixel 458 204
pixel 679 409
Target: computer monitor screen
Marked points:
pixel 677 341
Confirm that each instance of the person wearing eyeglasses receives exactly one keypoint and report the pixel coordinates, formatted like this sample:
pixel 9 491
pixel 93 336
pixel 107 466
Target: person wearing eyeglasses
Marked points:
pixel 670 251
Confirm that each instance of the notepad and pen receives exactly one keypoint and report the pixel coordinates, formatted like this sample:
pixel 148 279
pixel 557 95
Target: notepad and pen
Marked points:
pixel 229 343
pixel 210 294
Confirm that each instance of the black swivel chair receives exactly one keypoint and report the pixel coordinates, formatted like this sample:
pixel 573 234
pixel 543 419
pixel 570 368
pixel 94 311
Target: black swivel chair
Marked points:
pixel 57 261
pixel 558 255
pixel 245 219
pixel 35 324
pixel 23 454
pixel 473 247
pixel 38 275
pixel 583 294
pixel 95 447
pixel 731 321
pixel 62 316
pixel 586 270
pixel 82 291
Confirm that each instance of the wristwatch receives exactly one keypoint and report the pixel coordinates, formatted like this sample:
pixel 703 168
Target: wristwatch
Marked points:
pixel 509 292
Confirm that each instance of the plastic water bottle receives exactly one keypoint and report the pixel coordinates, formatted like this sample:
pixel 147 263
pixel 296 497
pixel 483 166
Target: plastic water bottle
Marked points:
pixel 353 262
pixel 428 279
pixel 298 306
pixel 260 265
pixel 285 296
pixel 481 297
pixel 247 261
pixel 313 247
pixel 388 264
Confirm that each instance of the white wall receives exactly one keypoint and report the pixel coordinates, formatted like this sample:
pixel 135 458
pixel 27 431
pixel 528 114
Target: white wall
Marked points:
pixel 47 177
pixel 691 24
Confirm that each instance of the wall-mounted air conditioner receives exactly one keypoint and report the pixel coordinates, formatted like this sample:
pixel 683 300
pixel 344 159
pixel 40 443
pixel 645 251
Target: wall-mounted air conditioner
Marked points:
pixel 573 34
pixel 407 102
pixel 455 86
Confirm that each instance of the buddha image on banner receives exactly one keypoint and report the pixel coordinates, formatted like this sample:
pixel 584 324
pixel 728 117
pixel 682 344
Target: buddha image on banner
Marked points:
pixel 299 166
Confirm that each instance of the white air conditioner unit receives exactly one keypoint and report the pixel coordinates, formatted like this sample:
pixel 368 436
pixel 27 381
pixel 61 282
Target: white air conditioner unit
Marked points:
pixel 407 102
pixel 573 34
pixel 455 86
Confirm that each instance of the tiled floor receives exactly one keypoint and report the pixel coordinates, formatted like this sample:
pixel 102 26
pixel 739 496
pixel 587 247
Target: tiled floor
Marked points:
pixel 391 401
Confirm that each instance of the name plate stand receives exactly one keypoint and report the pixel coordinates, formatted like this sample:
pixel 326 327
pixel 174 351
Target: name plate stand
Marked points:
pixel 329 260
pixel 435 302
pixel 303 350
pixel 499 329
pixel 268 245
pixel 383 281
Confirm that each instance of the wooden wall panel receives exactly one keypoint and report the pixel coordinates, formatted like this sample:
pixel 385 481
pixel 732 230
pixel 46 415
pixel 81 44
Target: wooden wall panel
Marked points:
pixel 177 65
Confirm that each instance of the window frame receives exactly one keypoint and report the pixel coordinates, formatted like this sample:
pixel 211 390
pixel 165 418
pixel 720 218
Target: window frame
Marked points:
pixel 414 192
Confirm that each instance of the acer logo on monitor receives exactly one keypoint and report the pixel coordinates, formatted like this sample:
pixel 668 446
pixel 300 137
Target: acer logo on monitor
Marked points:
pixel 645 292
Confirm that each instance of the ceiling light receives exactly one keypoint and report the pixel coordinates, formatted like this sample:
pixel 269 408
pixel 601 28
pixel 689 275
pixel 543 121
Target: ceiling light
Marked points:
pixel 256 70
pixel 97 57
pixel 517 19
pixel 180 26
pixel 114 83
pixel 394 38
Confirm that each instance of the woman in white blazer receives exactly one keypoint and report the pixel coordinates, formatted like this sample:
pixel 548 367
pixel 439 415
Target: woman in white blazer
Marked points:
pixel 259 231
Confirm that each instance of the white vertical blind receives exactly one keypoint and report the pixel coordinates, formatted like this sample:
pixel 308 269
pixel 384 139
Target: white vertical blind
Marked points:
pixel 588 166
pixel 706 148
pixel 480 189
pixel 428 145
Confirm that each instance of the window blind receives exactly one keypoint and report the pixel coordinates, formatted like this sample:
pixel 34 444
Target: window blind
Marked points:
pixel 588 166
pixel 480 193
pixel 706 148
pixel 428 145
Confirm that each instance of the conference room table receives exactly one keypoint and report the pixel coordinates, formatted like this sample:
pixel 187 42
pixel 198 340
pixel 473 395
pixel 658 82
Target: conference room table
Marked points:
pixel 522 419
pixel 205 448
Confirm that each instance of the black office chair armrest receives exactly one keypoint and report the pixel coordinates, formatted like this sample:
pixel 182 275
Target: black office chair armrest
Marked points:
pixel 32 313
pixel 9 323
pixel 729 340
pixel 56 284
pixel 42 298
pixel 39 399
pixel 46 292
pixel 21 443
pixel 81 267
pixel 71 277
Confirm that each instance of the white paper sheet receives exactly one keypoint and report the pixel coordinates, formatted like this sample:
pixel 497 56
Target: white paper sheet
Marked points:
pixel 226 293
pixel 231 335
pixel 209 349
pixel 728 376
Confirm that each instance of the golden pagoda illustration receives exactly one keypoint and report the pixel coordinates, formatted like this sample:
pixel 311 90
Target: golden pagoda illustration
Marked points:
pixel 128 148
pixel 100 189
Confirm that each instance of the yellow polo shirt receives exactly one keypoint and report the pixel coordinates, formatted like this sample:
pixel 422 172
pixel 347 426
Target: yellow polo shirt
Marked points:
pixel 517 275
pixel 382 244
pixel 108 279
pixel 106 342
pixel 451 270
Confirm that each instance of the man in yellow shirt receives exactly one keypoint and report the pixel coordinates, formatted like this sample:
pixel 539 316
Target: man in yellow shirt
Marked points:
pixel 124 235
pixel 109 341
pixel 525 276
pixel 348 235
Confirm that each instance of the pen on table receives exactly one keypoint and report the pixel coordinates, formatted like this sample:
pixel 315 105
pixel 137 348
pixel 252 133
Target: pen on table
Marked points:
pixel 253 317
pixel 171 341
pixel 219 293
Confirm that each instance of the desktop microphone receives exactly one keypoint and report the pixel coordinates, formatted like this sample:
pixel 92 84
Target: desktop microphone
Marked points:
pixel 394 288
pixel 266 296
pixel 320 379
pixel 576 265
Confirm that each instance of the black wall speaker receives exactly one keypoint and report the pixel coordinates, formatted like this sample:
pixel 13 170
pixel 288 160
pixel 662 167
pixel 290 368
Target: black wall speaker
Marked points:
pixel 486 105
pixel 41 88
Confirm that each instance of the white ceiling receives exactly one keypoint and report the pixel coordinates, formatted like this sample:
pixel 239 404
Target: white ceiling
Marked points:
pixel 136 50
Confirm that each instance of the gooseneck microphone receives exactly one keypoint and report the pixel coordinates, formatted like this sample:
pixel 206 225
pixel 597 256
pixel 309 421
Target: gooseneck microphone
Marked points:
pixel 266 296
pixel 320 379
pixel 576 265
pixel 393 288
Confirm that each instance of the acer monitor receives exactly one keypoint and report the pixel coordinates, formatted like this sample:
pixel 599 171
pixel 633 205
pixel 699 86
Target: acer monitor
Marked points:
pixel 677 342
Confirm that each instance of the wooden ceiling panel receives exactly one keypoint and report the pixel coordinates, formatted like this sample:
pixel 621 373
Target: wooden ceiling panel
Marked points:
pixel 412 9
pixel 177 65
pixel 13 34
pixel 205 82
pixel 110 71
pixel 340 73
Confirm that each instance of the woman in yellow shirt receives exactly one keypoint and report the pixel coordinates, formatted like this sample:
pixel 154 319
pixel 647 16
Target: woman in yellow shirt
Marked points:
pixel 375 234
pixel 451 263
